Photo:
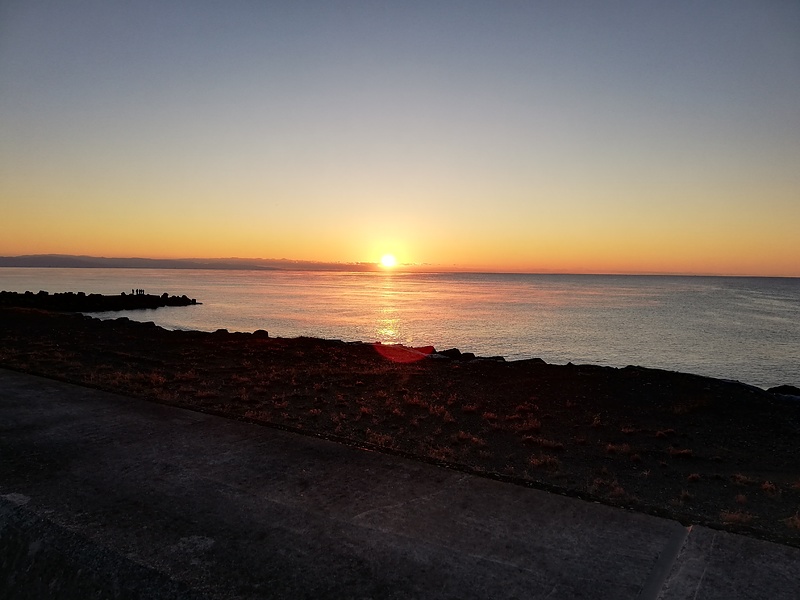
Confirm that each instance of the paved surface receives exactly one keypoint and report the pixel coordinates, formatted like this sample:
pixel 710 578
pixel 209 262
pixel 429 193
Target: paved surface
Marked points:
pixel 103 496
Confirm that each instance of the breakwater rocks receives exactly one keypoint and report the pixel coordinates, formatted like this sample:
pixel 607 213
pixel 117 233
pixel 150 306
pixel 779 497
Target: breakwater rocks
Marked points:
pixel 82 302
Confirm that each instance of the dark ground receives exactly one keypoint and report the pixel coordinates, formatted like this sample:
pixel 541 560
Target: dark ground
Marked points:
pixel 696 449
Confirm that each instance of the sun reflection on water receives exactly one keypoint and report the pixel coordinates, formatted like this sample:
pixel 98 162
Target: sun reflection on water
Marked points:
pixel 388 324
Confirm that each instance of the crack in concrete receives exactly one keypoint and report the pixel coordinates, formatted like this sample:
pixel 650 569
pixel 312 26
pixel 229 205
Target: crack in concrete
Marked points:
pixel 674 547
pixel 705 569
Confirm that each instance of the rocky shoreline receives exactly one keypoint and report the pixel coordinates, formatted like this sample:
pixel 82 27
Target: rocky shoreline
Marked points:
pixel 82 302
pixel 700 450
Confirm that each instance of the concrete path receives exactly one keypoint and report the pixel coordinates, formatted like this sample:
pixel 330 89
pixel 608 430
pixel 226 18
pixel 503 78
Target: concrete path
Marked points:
pixel 103 496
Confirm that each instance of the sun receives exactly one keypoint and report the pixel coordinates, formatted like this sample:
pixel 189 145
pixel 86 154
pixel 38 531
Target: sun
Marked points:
pixel 388 261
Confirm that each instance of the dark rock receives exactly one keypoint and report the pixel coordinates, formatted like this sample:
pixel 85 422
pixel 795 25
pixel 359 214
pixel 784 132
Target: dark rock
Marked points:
pixel 425 349
pixel 451 353
pixel 785 390
pixel 260 333
pixel 81 302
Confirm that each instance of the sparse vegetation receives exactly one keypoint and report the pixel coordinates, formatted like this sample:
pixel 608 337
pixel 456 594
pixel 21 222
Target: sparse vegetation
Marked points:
pixel 544 461
pixel 735 517
pixel 680 452
pixel 543 443
pixel 582 430
pixel 740 479
pixel 769 488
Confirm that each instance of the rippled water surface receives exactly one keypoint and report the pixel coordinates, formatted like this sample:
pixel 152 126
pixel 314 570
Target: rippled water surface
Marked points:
pixel 734 328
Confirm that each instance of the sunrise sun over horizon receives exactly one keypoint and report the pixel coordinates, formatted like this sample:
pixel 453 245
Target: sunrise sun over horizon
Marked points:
pixel 388 261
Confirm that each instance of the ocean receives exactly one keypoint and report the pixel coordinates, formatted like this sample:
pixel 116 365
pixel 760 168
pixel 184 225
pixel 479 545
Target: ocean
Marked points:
pixel 745 329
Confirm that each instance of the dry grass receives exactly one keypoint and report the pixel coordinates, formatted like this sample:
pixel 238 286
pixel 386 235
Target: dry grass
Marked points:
pixel 544 461
pixel 552 428
pixel 463 436
pixel 379 439
pixel 189 375
pixel 740 479
pixel 543 442
pixel 735 518
pixel 769 488
pixel 156 379
pixel 529 425
pixel 680 452
pixel 616 491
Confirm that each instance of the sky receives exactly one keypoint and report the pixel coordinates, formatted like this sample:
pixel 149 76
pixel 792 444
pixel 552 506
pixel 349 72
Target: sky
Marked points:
pixel 538 136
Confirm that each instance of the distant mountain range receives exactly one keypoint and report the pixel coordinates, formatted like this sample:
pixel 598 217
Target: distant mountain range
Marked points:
pixel 258 264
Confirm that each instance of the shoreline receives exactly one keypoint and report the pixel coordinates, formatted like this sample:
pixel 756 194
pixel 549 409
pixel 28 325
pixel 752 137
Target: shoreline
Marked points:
pixel 692 448
pixel 82 302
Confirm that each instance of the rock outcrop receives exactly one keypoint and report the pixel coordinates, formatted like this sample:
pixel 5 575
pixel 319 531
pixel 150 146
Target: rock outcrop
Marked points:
pixel 82 302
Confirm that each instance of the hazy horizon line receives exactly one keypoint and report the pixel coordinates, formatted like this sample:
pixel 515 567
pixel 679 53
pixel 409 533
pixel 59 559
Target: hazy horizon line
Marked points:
pixel 234 263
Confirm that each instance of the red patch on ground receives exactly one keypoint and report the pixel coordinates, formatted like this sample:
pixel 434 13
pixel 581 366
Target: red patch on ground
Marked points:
pixel 401 354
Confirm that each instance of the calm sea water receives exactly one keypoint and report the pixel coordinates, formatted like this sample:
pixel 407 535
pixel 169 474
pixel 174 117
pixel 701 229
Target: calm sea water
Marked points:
pixel 746 329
